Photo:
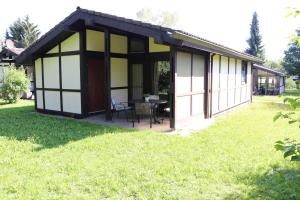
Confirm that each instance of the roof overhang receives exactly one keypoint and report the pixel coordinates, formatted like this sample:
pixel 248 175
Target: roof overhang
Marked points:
pixel 205 45
pixel 263 68
pixel 86 18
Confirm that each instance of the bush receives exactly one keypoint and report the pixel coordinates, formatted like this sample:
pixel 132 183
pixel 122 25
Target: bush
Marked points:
pixel 14 84
pixel 290 84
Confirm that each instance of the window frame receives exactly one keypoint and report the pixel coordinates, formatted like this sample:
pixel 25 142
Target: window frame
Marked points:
pixel 244 72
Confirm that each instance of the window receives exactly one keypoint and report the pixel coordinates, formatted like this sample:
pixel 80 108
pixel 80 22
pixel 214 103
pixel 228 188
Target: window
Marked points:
pixel 136 45
pixel 244 72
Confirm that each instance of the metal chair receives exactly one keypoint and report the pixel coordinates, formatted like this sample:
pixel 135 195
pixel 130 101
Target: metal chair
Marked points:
pixel 120 106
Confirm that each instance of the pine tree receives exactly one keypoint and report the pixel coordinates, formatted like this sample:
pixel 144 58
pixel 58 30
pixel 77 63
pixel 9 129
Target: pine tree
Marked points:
pixel 23 32
pixel 255 41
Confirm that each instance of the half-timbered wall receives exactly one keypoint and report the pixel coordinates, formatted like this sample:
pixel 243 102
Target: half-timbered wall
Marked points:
pixel 57 76
pixel 189 86
pixel 228 88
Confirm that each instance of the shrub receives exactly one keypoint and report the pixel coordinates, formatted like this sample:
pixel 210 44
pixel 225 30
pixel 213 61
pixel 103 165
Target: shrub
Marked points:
pixel 289 147
pixel 290 84
pixel 14 84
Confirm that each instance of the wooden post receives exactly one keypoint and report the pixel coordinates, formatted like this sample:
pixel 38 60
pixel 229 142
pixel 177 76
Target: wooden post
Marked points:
pixel 83 73
pixel 172 86
pixel 108 113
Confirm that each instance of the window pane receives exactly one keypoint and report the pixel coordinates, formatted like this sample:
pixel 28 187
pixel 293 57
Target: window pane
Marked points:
pixel 137 45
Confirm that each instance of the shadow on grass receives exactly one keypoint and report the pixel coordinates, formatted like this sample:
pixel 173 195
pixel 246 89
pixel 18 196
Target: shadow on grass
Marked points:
pixel 23 123
pixel 277 183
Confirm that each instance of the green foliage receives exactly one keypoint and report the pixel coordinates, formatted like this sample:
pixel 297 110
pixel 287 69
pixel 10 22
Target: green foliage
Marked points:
pixel 15 83
pixel 23 32
pixel 256 47
pixel 290 84
pixel 275 65
pixel 163 18
pixel 291 61
pixel 290 148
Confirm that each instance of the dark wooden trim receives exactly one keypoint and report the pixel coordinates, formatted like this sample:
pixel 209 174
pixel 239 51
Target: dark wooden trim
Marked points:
pixel 228 81
pixel 94 54
pixel 60 77
pixel 129 70
pixel 207 87
pixel 118 55
pixel 222 111
pixel 251 83
pixel 119 88
pixel 108 113
pixel 83 73
pixel 172 87
pixel 219 93
pixel 191 89
pixel 58 89
pixel 67 53
pixel 67 114
pixel 235 65
pixel 34 84
pixel 211 84
pixel 43 82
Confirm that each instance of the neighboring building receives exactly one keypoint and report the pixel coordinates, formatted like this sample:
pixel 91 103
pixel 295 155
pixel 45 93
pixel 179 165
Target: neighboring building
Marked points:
pixel 267 81
pixel 91 56
pixel 7 57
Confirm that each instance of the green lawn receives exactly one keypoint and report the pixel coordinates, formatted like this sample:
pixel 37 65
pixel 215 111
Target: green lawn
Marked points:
pixel 45 157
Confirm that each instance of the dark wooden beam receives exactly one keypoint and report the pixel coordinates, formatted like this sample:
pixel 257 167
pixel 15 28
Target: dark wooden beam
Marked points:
pixel 43 82
pixel 107 70
pixel 207 86
pixel 83 73
pixel 172 87
pixel 60 78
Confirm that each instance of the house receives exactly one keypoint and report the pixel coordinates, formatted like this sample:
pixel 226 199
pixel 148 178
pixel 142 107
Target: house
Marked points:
pixel 7 58
pixel 91 56
pixel 267 81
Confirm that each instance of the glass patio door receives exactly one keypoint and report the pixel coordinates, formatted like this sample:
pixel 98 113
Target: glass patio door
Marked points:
pixel 137 81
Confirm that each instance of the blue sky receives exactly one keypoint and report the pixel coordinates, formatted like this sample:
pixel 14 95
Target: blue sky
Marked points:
pixel 225 22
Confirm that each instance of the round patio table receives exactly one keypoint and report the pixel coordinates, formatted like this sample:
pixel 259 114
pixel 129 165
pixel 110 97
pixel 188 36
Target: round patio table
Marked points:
pixel 154 106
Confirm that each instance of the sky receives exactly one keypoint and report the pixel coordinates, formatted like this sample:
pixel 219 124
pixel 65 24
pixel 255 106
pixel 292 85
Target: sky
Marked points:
pixel 223 21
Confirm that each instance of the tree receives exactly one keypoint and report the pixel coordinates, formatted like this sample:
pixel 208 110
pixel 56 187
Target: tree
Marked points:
pixel 291 61
pixel 162 18
pixel 275 65
pixel 256 47
pixel 23 32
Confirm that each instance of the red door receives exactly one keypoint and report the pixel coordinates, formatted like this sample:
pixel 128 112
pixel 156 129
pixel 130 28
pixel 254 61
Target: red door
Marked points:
pixel 96 85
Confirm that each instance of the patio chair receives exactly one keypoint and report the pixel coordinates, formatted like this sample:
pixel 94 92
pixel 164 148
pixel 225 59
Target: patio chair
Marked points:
pixel 120 106
pixel 142 110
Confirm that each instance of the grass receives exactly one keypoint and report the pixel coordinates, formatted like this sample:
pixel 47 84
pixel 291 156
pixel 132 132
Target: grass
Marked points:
pixel 44 157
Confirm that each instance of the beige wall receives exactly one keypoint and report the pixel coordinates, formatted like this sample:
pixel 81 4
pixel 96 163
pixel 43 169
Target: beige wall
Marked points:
pixel 52 100
pixel 118 44
pixel 94 40
pixel 51 72
pixel 153 47
pixel 70 68
pixel 70 76
pixel 71 43
pixel 38 73
pixel 231 92
pixel 53 50
pixel 119 72
pixel 39 99
pixel 189 84
pixel 72 102
pixel 183 76
pixel 122 94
